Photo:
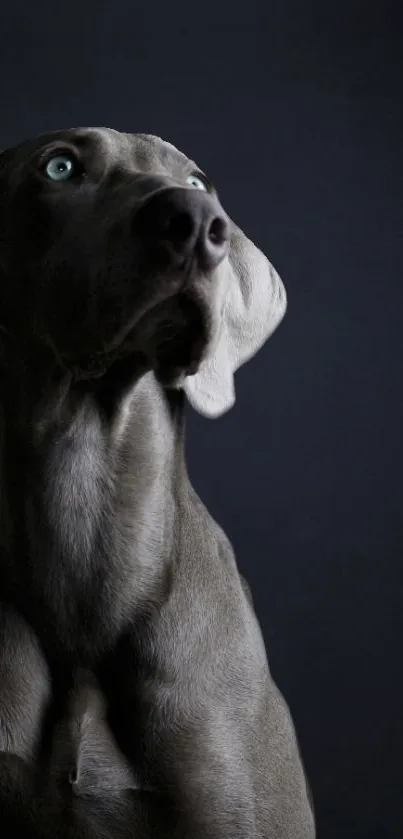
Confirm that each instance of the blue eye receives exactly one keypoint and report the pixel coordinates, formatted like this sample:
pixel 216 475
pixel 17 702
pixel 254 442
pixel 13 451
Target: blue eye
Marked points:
pixel 197 182
pixel 61 168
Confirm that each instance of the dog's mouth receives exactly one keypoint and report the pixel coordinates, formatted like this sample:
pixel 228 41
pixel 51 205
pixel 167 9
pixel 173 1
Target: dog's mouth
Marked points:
pixel 170 338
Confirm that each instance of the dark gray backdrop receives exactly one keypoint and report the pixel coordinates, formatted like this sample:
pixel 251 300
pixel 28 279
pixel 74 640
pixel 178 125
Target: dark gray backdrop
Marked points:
pixel 295 108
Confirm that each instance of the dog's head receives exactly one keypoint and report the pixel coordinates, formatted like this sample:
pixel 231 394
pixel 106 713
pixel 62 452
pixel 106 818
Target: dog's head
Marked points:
pixel 115 244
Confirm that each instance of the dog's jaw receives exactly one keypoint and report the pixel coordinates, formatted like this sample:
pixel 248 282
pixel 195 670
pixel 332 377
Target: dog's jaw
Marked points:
pixel 171 339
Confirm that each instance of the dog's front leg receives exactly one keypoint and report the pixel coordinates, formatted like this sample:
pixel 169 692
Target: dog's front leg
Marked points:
pixel 193 755
pixel 25 691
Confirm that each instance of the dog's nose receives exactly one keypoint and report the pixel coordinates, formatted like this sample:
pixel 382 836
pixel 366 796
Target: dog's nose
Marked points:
pixel 190 222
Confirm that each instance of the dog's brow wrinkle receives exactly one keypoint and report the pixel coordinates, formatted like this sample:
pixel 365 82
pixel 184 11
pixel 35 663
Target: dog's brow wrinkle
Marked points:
pixel 108 142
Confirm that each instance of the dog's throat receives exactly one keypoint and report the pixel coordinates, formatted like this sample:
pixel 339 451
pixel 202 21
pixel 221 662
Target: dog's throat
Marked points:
pixel 81 516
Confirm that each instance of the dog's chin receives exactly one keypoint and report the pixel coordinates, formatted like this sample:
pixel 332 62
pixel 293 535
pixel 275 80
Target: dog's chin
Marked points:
pixel 179 339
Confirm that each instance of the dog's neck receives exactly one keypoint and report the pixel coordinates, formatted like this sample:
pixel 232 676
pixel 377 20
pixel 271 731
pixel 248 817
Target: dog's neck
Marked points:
pixel 89 469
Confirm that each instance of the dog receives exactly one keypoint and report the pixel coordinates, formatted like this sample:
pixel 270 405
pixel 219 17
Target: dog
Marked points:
pixel 126 291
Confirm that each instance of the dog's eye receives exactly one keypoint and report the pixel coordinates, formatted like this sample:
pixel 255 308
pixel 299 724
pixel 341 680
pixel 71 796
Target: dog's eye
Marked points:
pixel 198 181
pixel 61 168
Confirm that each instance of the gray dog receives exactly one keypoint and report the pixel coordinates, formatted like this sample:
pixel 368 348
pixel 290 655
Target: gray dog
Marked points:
pixel 125 290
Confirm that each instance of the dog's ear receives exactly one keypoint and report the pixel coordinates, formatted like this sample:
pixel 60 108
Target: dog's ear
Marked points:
pixel 5 157
pixel 253 302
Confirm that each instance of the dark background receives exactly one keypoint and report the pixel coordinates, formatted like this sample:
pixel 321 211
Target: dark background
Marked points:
pixel 295 108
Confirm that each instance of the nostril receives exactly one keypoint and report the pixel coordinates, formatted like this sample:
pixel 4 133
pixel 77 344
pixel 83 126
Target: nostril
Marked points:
pixel 218 231
pixel 179 228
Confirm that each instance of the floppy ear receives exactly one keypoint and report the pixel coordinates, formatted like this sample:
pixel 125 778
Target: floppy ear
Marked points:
pixel 253 303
